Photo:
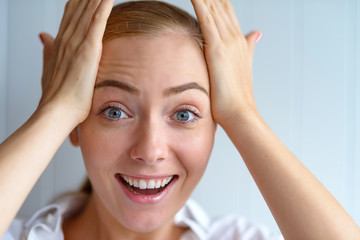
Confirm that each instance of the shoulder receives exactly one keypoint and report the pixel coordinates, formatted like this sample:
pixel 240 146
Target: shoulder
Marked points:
pixel 226 227
pixel 46 223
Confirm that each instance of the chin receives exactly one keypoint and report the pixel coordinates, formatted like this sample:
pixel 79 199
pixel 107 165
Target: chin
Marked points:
pixel 146 221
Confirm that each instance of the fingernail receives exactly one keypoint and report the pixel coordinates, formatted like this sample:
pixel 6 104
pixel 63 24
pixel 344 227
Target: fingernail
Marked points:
pixel 41 38
pixel 258 37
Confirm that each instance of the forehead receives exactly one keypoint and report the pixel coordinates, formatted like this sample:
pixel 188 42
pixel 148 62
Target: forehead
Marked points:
pixel 143 60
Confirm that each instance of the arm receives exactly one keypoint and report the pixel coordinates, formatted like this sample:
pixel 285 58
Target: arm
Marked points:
pixel 66 100
pixel 300 204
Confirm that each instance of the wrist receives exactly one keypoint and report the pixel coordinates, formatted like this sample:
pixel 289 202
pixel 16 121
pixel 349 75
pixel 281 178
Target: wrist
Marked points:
pixel 238 115
pixel 59 115
pixel 63 110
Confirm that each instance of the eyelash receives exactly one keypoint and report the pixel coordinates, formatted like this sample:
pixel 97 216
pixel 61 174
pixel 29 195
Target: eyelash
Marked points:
pixel 108 107
pixel 190 109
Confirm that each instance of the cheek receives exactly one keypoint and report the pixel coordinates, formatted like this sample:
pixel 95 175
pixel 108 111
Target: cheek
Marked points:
pixel 100 149
pixel 194 151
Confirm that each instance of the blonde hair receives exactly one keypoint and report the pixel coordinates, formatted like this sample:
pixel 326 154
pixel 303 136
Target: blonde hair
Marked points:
pixel 151 19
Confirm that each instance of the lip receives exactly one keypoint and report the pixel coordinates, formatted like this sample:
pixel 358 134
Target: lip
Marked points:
pixel 146 199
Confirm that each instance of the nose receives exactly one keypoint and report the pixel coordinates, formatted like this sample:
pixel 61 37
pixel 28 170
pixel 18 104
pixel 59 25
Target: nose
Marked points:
pixel 150 145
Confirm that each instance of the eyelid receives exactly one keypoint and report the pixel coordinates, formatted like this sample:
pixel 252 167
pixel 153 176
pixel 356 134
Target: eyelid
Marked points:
pixel 115 106
pixel 189 108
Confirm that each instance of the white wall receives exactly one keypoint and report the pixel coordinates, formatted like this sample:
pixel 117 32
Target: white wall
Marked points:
pixel 306 71
pixel 3 67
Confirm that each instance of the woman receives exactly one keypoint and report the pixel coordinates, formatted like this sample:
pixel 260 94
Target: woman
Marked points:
pixel 142 102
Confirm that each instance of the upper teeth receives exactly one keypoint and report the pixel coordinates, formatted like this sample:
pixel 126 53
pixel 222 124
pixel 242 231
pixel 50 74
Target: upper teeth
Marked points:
pixel 148 183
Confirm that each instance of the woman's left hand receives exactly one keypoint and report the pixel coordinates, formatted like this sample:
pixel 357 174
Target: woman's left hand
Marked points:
pixel 229 57
pixel 295 197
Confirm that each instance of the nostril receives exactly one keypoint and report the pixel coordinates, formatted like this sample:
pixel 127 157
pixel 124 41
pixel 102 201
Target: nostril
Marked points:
pixel 145 158
pixel 149 142
pixel 148 154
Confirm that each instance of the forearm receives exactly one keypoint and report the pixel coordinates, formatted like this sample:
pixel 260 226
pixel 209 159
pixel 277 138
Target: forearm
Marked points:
pixel 300 204
pixel 25 155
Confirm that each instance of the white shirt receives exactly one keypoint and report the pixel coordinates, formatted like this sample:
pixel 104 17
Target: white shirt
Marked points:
pixel 46 224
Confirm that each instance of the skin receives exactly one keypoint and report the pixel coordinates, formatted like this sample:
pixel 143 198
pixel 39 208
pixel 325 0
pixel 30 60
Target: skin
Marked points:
pixel 295 197
pixel 160 144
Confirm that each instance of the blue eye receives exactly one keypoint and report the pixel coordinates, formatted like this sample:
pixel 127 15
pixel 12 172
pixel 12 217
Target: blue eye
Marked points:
pixel 115 113
pixel 184 116
pixel 188 115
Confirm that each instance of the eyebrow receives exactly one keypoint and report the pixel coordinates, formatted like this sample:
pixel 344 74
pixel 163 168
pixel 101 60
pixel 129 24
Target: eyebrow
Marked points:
pixel 118 84
pixel 181 88
pixel 167 92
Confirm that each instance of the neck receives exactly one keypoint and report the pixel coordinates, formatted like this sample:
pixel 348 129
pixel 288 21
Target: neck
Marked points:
pixel 95 222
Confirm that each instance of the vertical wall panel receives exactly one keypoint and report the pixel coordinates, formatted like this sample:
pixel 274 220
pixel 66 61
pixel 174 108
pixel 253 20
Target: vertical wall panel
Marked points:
pixel 323 96
pixel 350 108
pixel 272 80
pixel 24 69
pixel 3 68
pixel 297 59
pixel 356 184
pixel 24 72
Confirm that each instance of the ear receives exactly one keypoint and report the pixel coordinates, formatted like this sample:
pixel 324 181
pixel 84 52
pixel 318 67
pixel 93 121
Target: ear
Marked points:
pixel 74 137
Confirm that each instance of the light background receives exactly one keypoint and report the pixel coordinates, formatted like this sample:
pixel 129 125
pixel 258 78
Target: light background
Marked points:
pixel 306 83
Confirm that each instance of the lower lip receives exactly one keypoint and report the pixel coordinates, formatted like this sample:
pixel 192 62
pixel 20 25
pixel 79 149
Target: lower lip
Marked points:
pixel 146 199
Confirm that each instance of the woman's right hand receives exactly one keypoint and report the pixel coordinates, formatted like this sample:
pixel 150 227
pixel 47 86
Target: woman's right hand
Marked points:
pixel 71 60
pixel 70 68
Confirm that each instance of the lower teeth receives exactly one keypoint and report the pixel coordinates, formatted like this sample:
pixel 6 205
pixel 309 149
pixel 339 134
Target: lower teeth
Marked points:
pixel 131 189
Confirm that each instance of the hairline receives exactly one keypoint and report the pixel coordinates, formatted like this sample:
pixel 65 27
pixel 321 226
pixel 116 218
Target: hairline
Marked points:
pixel 160 34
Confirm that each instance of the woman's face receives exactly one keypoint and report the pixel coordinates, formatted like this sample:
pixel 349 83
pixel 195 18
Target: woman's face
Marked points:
pixel 150 132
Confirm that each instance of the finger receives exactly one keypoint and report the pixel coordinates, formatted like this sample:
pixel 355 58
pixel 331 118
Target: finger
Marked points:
pixel 70 8
pixel 48 42
pixel 252 38
pixel 83 24
pixel 206 21
pixel 88 56
pixel 232 15
pixel 222 19
pixel 74 21
pixel 98 22
pixel 66 47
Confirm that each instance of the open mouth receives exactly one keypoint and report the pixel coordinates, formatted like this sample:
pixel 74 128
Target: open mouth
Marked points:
pixel 145 186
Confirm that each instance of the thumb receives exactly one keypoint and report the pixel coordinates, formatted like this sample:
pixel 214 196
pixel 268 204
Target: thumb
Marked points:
pixel 48 42
pixel 252 38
